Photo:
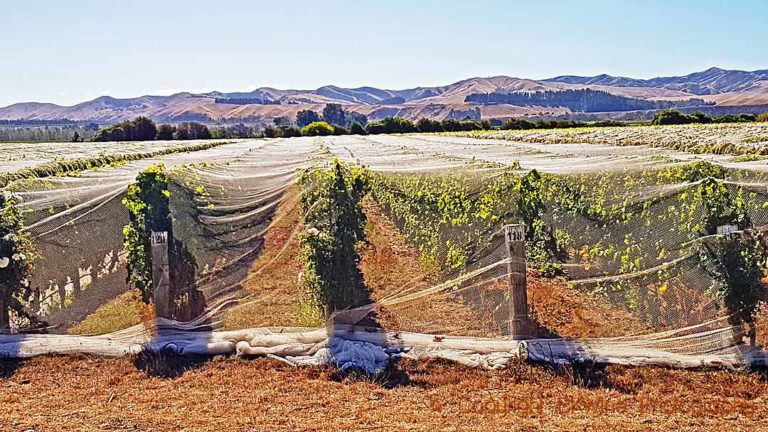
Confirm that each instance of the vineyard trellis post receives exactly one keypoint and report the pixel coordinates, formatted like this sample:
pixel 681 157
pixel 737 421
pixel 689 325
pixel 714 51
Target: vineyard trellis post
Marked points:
pixel 161 278
pixel 519 324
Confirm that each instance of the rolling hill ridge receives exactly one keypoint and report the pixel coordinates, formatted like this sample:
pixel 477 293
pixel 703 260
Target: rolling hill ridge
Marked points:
pixel 712 90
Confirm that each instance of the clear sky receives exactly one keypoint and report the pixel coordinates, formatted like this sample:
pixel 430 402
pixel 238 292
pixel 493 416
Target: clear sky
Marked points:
pixel 69 51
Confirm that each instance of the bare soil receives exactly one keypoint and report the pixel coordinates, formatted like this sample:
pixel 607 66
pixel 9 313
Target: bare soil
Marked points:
pixel 273 283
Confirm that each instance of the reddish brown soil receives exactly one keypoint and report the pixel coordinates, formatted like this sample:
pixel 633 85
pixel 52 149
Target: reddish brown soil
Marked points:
pixel 568 312
pixel 390 266
pixel 274 278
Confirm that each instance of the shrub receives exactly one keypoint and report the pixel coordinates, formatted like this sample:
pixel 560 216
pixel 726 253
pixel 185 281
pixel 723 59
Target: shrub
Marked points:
pixel 147 201
pixel 734 261
pixel 427 125
pixel 762 117
pixel 289 132
pixel 719 207
pixel 271 132
pixel 670 117
pixel 340 130
pixel 16 259
pixel 317 129
pixel 518 124
pixel 543 248
pixel 334 221
pixel 357 129
pixel 391 125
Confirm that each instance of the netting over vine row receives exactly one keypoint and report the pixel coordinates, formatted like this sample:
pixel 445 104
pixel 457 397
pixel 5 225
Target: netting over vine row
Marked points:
pixel 633 248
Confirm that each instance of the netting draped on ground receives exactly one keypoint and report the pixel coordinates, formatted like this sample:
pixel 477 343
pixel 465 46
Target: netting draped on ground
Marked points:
pixel 616 242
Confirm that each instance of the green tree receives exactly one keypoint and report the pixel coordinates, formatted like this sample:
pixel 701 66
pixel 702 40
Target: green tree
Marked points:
pixel 334 114
pixel 281 121
pixel 427 125
pixel 192 131
pixel 354 117
pixel 271 132
pixel 289 131
pixel 144 129
pixel 165 132
pixel 140 129
pixel 518 124
pixel 306 117
pixel 147 201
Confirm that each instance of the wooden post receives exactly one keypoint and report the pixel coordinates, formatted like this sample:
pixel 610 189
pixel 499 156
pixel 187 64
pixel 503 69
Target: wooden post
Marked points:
pixel 519 326
pixel 739 334
pixel 161 278
pixel 727 229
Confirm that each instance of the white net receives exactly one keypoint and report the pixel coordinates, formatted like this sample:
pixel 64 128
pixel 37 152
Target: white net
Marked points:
pixel 624 255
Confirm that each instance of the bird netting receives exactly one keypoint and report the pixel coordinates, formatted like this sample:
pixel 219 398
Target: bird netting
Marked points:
pixel 631 251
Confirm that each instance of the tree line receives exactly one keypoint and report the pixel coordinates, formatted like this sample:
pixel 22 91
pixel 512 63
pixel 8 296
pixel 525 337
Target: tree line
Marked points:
pixel 583 100
pixel 335 120
pixel 144 129
pixel 47 133
pixel 671 117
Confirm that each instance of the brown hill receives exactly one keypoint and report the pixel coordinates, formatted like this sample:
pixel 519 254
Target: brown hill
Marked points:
pixel 717 87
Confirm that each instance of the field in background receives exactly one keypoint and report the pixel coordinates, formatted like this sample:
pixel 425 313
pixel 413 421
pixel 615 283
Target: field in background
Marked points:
pixel 727 139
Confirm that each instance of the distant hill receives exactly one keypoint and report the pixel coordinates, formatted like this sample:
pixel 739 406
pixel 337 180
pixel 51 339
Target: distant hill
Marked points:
pixel 709 82
pixel 712 90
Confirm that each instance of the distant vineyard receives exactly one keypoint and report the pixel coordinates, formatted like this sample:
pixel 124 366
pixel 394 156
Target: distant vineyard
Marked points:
pixel 727 139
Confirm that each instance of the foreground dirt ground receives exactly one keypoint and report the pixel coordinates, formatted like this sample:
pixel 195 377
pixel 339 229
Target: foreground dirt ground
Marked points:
pixel 81 393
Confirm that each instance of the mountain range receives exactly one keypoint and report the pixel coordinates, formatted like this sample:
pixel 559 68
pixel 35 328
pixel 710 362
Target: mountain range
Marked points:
pixel 713 90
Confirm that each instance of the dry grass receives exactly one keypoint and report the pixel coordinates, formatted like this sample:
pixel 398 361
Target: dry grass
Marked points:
pixel 68 394
pixel 123 311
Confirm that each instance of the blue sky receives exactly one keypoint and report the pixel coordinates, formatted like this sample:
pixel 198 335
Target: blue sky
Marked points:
pixel 69 51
